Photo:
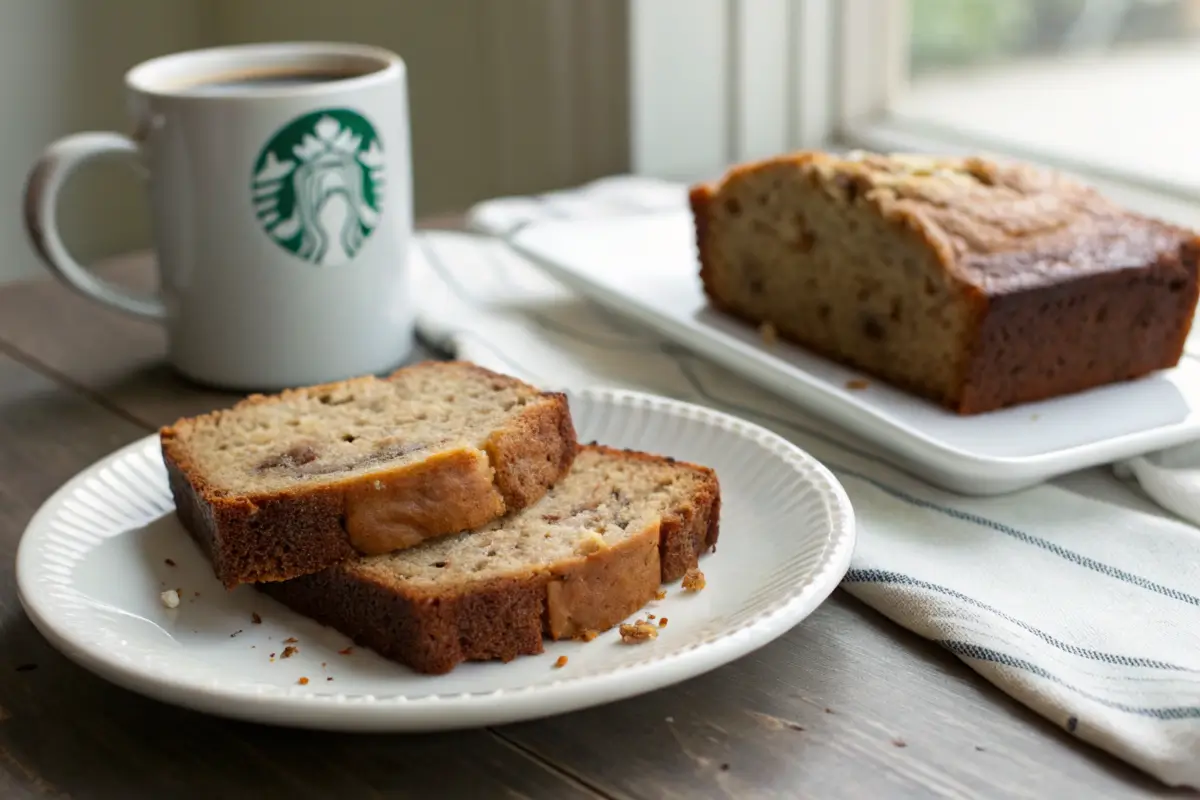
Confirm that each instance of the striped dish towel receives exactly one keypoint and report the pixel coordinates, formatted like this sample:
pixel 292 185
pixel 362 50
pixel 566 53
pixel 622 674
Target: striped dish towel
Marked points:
pixel 1079 598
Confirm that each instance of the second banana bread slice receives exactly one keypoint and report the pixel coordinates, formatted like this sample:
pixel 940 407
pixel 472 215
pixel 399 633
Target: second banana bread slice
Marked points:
pixel 287 485
pixel 591 552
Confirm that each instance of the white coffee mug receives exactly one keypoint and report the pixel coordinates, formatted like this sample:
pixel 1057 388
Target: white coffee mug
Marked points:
pixel 281 197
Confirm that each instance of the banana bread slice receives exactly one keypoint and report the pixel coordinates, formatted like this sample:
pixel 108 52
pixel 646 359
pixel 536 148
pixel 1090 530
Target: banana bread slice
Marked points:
pixel 973 283
pixel 286 485
pixel 591 552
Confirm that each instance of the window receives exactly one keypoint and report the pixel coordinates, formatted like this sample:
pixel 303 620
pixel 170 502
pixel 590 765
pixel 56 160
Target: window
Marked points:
pixel 1102 88
pixel 1098 87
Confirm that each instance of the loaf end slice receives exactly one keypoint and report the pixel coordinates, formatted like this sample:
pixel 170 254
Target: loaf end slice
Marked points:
pixel 287 485
pixel 977 284
pixel 591 552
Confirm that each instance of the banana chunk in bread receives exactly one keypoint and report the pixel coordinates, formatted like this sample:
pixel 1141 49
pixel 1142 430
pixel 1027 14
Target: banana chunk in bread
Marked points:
pixel 976 284
pixel 287 485
pixel 591 552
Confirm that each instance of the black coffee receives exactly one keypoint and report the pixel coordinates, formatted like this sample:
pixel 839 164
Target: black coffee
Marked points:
pixel 230 84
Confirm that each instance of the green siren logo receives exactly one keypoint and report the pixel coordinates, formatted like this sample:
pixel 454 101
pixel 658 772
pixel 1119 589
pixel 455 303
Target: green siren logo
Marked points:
pixel 318 186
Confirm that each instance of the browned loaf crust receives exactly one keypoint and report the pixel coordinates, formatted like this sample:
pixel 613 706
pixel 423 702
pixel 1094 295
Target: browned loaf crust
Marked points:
pixel 592 552
pixel 363 466
pixel 976 284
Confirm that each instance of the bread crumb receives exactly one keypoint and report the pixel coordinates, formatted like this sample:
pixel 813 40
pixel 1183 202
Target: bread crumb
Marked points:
pixel 693 580
pixel 640 631
pixel 272 656
pixel 255 618
pixel 856 384
pixel 329 678
pixel 768 333
pixel 899 743
pixel 591 542
pixel 290 640
pixel 303 681
pixel 662 623
pixel 560 662
pixel 290 651
pixel 649 616
pixel 346 651
pixel 660 594
pixel 170 562
pixel 170 598
pixel 588 635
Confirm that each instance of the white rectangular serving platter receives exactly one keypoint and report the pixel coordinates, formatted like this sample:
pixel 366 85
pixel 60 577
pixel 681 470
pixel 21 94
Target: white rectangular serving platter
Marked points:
pixel 645 267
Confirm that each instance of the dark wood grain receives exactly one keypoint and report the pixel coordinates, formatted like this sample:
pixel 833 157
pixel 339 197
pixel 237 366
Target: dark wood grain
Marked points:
pixel 905 718
pixel 64 732
pixel 845 705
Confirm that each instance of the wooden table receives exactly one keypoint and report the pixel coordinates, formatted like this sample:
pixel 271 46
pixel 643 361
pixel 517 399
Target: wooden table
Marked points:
pixel 845 705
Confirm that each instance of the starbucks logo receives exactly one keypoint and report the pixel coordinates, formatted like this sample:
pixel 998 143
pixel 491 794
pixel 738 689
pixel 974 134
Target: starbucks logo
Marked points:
pixel 318 186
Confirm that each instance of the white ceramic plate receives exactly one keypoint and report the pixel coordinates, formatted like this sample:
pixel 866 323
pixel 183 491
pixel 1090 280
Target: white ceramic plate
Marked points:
pixel 646 267
pixel 93 562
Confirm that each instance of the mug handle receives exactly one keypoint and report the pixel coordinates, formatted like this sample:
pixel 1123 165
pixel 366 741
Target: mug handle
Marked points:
pixel 46 178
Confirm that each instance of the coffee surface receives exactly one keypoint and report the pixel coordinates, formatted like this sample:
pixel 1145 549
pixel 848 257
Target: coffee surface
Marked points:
pixel 228 84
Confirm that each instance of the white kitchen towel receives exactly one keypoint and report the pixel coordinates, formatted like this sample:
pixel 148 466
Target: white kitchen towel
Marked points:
pixel 1080 598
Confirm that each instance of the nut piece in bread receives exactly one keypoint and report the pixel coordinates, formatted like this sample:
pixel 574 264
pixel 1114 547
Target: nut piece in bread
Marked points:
pixel 496 592
pixel 973 283
pixel 287 485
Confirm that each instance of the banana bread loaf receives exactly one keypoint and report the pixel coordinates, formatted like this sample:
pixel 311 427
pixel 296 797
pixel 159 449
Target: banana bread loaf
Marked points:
pixel 591 552
pixel 976 284
pixel 282 486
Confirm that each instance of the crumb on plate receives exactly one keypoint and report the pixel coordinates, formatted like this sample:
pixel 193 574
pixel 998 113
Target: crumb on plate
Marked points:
pixel 170 562
pixel 588 635
pixel 170 598
pixel 662 623
pixel 660 594
pixel 255 618
pixel 345 652
pixel 640 631
pixel 290 640
pixel 303 681
pixel 290 651
pixel 693 580
pixel 560 662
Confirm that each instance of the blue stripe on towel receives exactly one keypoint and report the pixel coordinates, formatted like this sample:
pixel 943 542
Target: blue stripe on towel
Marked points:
pixel 884 577
pixel 974 651
pixel 1028 538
